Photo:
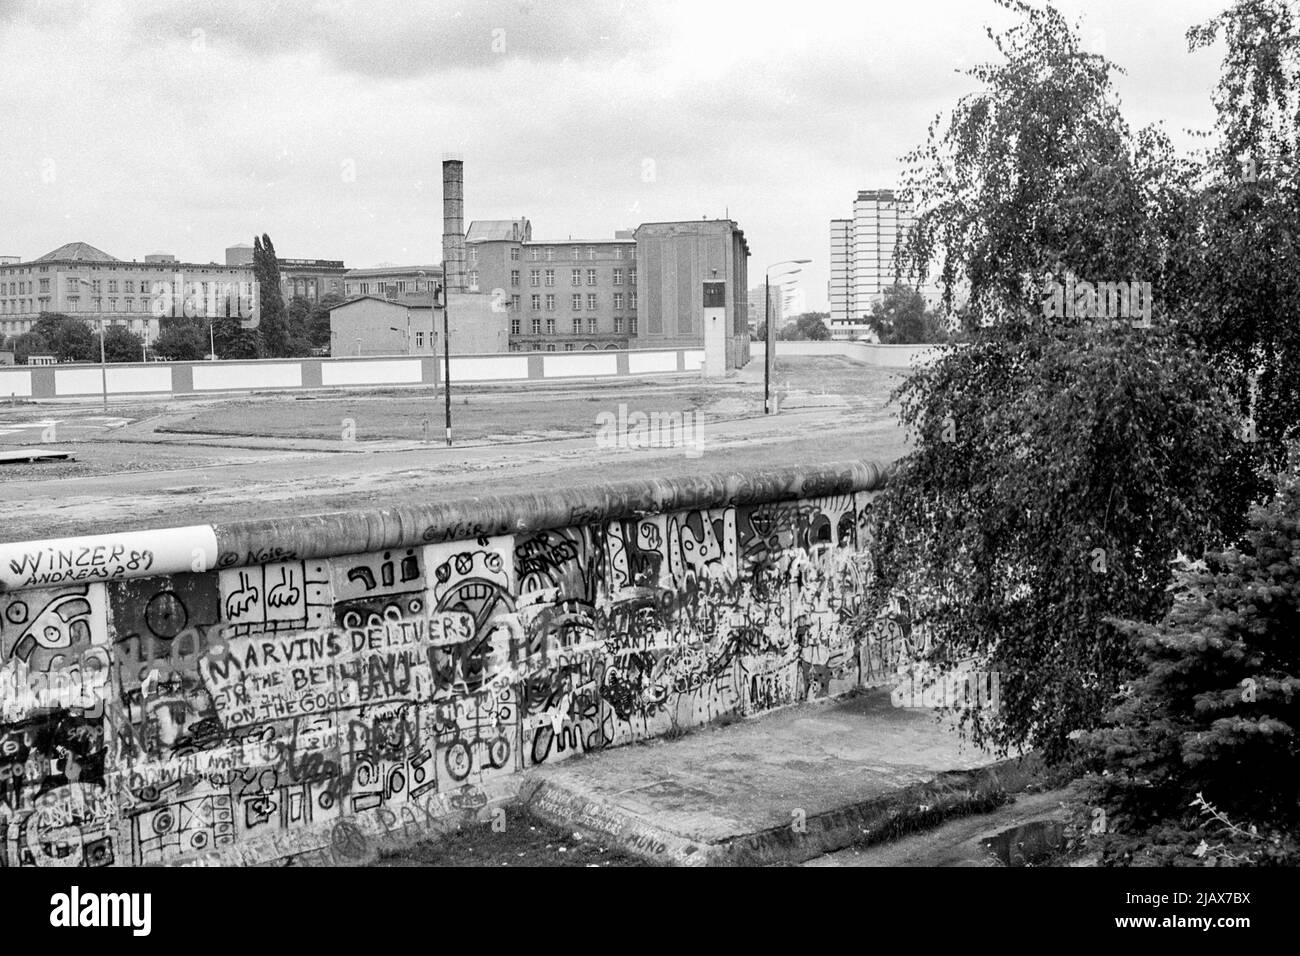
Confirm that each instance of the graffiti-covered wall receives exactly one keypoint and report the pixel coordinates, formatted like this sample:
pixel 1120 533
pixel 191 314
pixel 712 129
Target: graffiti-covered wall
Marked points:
pixel 255 691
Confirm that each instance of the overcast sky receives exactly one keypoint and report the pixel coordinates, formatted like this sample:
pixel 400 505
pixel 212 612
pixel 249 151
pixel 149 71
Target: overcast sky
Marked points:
pixel 183 127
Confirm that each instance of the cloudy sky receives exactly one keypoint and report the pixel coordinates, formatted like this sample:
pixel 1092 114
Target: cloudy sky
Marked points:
pixel 184 126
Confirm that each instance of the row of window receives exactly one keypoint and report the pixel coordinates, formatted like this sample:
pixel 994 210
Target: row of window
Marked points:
pixel 538 253
pixel 379 285
pixel 516 326
pixel 73 304
pixel 537 278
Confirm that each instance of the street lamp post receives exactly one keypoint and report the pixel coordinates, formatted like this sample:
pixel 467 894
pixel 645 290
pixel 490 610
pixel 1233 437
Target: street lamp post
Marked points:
pixel 439 290
pixel 769 350
pixel 103 361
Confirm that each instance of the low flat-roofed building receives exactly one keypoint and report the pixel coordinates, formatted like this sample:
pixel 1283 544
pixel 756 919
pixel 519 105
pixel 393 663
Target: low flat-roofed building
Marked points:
pixel 370 325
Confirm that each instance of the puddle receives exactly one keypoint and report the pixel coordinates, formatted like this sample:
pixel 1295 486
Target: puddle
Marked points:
pixel 1028 843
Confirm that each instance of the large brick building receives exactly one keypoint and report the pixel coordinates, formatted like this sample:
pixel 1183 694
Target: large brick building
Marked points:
pixel 590 294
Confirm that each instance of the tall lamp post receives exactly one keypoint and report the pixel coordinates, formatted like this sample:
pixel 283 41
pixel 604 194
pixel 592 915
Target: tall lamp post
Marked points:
pixel 438 297
pixel 103 361
pixel 769 351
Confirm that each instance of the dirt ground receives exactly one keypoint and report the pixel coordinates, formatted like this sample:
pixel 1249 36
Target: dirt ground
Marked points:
pixel 155 464
pixel 528 842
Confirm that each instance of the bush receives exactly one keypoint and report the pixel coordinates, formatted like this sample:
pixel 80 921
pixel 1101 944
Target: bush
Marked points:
pixel 1200 759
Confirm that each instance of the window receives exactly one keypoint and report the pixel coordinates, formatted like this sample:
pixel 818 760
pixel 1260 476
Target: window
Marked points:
pixel 514 277
pixel 536 301
pixel 550 348
pixel 112 285
pixel 577 303
pixel 72 285
pixel 591 326
pixel 537 326
pixel 473 256
pixel 45 286
pixel 577 326
pixel 550 303
pixel 631 326
pixel 550 326
pixel 568 346
pixel 534 277
pixel 514 347
pixel 618 252
pixel 591 277
pixel 591 301
pixel 534 254
pixel 618 325
pixel 618 301
pixel 575 277
pixel 514 326
pixel 577 252
pixel 130 286
pixel 514 253
pixel 631 277
pixel 591 252
pixel 631 300
pixel 618 277
pixel 419 340
pixel 130 305
pixel 550 254
pixel 550 277
pixel 471 279
pixel 514 303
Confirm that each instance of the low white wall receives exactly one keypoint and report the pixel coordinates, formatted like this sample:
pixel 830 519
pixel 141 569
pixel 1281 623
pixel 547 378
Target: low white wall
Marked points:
pixel 401 372
pixel 868 353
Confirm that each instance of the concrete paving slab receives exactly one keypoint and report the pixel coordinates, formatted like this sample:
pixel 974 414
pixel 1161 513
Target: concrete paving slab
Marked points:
pixel 784 787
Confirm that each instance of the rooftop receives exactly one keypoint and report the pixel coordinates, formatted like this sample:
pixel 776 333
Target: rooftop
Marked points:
pixel 77 252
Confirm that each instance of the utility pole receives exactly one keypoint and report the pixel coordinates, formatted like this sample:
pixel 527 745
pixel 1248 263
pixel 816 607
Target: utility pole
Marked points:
pixel 446 351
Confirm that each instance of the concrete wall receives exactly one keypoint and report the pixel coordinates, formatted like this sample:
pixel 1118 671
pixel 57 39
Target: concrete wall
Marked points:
pixel 868 353
pixel 325 686
pixel 191 378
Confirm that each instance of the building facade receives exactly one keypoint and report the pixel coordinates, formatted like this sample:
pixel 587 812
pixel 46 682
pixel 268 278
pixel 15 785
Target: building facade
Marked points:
pixel 371 325
pixel 81 280
pixel 559 295
pixel 862 260
pixel 675 261
pixel 760 301
pixel 406 284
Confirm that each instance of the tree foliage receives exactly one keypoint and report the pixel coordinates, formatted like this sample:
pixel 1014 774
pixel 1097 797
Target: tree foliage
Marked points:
pixel 1054 440
pixel 273 327
pixel 122 345
pixel 1214 718
pixel 808 326
pixel 68 338
pixel 182 339
pixel 901 317
pixel 1052 479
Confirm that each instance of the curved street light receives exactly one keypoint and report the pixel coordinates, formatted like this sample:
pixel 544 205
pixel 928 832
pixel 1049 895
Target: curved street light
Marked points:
pixel 769 351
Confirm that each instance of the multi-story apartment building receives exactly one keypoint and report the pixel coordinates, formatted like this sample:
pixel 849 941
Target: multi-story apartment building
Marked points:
pixel 862 259
pixel 560 295
pixel 760 300
pixel 79 279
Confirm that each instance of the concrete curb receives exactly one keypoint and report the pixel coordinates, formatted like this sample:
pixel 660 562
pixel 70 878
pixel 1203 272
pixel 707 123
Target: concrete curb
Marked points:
pixel 821 833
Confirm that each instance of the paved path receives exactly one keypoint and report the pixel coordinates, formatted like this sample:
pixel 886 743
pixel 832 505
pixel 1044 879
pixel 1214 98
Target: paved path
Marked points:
pixel 784 787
